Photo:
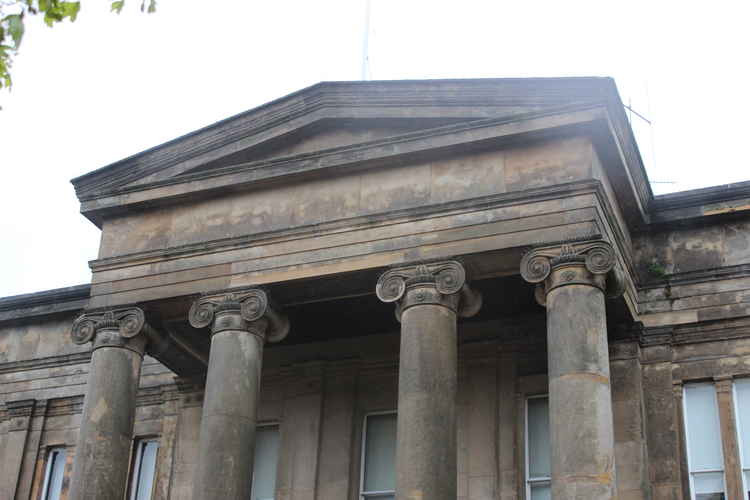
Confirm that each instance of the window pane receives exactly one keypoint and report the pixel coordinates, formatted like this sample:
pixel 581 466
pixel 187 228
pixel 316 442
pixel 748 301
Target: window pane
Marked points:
pixel 742 390
pixel 709 486
pixel 538 437
pixel 54 476
pixel 541 492
pixel 264 466
pixel 702 421
pixel 145 467
pixel 747 484
pixel 380 453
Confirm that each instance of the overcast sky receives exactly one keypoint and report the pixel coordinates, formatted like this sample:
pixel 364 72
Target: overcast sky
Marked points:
pixel 100 89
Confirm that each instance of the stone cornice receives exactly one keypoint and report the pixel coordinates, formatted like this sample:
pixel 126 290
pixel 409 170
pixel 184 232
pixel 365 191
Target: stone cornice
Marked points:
pixel 374 153
pixel 59 300
pixel 702 196
pixel 334 99
pixel 48 362
pixel 699 276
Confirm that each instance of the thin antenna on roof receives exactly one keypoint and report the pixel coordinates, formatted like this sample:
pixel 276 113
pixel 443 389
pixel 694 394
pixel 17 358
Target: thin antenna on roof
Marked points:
pixel 366 44
pixel 652 148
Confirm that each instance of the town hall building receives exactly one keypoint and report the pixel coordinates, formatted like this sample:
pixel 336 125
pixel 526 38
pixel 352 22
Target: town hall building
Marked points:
pixel 412 290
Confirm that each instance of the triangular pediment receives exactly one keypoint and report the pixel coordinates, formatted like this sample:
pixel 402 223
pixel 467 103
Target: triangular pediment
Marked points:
pixel 335 115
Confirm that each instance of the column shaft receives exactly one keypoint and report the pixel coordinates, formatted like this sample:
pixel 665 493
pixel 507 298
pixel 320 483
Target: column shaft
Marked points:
pixel 572 281
pixel 227 436
pixel 426 449
pixel 583 458
pixel 428 299
pixel 241 321
pixel 105 437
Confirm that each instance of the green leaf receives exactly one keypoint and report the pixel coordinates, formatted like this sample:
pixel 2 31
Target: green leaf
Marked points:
pixel 70 9
pixel 15 28
pixel 117 6
pixel 51 16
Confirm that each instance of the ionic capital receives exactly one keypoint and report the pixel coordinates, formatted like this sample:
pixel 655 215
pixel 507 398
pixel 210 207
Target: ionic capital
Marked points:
pixel 112 328
pixel 441 283
pixel 246 310
pixel 592 263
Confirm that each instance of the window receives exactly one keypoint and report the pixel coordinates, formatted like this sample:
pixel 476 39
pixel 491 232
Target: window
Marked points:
pixel 538 474
pixel 742 410
pixel 144 467
pixel 264 464
pixel 378 477
pixel 703 442
pixel 53 474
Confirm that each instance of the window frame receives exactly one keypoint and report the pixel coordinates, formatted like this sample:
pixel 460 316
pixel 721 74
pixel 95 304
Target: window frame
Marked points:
pixel 277 425
pixel 48 468
pixel 135 470
pixel 546 481
pixel 366 495
pixel 692 473
pixel 744 461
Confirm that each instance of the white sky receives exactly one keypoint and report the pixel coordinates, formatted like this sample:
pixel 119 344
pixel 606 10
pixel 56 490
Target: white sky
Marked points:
pixel 95 91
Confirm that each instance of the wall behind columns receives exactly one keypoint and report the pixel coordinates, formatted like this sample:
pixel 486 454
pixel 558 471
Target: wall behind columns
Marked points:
pixel 662 428
pixel 477 424
pixel 337 434
pixel 297 472
pixel 631 454
pixel 186 450
pixel 507 418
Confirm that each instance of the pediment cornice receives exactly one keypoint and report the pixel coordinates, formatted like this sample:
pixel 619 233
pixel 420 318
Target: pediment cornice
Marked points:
pixel 479 112
pixel 464 99
pixel 391 151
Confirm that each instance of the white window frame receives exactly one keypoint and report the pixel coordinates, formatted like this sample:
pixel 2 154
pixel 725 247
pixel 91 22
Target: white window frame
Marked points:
pixel 48 469
pixel 691 472
pixel 252 486
pixel 544 481
pixel 744 461
pixel 366 495
pixel 135 474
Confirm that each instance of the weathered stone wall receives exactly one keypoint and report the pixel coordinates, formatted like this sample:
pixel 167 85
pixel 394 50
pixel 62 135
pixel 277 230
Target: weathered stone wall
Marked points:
pixel 694 274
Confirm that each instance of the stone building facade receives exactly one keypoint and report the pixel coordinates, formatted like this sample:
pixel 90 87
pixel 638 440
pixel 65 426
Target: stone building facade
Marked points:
pixel 423 290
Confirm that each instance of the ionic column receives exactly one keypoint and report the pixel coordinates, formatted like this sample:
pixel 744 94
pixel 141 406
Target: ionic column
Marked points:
pixel 428 298
pixel 572 282
pixel 100 469
pixel 241 322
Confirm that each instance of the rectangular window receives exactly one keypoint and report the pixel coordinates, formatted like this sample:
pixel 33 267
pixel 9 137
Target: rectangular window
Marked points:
pixel 378 476
pixel 264 465
pixel 538 473
pixel 144 467
pixel 742 402
pixel 703 442
pixel 53 474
